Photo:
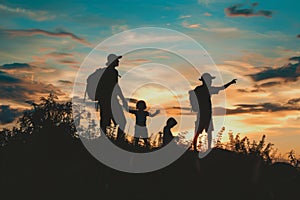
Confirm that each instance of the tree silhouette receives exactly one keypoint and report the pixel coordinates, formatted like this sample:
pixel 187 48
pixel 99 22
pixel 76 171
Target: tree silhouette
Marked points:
pixel 48 113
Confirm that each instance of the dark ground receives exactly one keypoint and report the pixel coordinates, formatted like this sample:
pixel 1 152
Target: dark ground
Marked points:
pixel 53 165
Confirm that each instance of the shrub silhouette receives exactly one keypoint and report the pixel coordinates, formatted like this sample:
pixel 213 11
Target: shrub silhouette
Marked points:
pixel 293 159
pixel 244 146
pixel 48 113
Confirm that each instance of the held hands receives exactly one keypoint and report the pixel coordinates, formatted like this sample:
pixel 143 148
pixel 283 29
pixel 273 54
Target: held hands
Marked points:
pixel 125 104
pixel 176 139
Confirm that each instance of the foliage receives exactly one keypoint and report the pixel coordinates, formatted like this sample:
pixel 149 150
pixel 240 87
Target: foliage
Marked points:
pixel 292 159
pixel 48 113
pixel 5 135
pixel 245 146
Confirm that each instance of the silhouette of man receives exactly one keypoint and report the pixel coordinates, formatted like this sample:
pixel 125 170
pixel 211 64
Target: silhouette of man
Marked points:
pixel 108 91
pixel 204 115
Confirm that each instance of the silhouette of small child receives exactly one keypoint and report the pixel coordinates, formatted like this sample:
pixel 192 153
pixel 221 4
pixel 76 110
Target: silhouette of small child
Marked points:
pixel 141 115
pixel 167 134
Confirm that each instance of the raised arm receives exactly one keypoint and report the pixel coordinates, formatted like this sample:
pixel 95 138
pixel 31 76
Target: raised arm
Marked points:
pixel 216 90
pixel 229 83
pixel 154 114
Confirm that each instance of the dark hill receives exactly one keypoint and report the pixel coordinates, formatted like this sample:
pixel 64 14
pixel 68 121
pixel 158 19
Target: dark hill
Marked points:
pixel 51 164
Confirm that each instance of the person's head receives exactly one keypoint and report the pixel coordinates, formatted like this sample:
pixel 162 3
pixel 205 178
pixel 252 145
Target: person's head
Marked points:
pixel 141 105
pixel 207 78
pixel 171 122
pixel 112 60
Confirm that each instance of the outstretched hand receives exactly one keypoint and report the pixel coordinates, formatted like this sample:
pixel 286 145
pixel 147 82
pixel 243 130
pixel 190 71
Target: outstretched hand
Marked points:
pixel 154 114
pixel 234 81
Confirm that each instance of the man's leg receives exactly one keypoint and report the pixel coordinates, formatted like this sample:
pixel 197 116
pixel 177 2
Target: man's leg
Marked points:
pixel 119 118
pixel 209 139
pixel 105 117
pixel 196 137
pixel 208 130
pixel 209 134
pixel 198 131
pixel 195 140
pixel 121 128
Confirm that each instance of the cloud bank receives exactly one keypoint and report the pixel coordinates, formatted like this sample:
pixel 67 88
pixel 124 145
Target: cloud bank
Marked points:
pixel 8 114
pixel 237 10
pixel 58 33
pixel 289 72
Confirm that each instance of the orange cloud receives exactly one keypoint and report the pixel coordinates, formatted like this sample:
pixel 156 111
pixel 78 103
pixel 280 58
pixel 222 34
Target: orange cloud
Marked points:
pixel 187 25
pixel 207 14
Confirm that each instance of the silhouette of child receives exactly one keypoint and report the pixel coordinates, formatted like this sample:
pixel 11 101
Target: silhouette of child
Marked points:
pixel 141 115
pixel 167 134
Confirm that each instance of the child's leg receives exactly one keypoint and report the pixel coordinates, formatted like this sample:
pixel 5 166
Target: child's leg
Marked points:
pixel 136 135
pixel 146 142
pixel 136 141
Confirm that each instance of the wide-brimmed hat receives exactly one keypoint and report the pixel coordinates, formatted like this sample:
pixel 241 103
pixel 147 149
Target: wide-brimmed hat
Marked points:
pixel 206 76
pixel 111 58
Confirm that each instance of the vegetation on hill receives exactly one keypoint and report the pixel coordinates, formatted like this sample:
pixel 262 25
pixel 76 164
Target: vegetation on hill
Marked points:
pixel 50 112
pixel 44 156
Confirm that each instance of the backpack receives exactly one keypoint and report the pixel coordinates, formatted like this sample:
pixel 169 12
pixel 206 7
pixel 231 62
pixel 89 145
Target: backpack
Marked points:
pixel 193 101
pixel 92 84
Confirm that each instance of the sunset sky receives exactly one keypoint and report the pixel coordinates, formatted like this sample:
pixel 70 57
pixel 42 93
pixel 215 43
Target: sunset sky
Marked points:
pixel 44 44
